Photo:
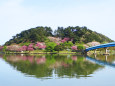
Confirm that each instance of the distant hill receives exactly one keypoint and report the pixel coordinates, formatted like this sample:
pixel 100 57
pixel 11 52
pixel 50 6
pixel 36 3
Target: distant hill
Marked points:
pixel 76 34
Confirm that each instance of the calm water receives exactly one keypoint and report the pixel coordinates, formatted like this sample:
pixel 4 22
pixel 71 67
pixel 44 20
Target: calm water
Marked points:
pixel 57 70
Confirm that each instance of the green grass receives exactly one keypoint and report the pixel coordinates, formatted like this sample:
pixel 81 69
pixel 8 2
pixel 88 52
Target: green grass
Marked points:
pixel 42 52
pixel 66 52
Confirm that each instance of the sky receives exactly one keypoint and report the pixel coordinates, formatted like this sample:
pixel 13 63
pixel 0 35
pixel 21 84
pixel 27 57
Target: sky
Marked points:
pixel 20 15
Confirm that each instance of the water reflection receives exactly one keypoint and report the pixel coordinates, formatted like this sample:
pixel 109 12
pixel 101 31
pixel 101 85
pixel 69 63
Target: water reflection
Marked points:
pixel 49 66
pixel 104 60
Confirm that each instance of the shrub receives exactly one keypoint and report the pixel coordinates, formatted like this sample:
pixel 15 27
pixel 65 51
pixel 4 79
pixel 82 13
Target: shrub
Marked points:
pixel 80 47
pixel 50 46
pixel 58 48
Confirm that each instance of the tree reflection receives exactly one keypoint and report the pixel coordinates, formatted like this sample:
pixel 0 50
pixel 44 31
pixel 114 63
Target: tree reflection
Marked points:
pixel 43 66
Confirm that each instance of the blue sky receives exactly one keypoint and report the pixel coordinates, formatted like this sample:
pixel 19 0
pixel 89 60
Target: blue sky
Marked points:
pixel 19 15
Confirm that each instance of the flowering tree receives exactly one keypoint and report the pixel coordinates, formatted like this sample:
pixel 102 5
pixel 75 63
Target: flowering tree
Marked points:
pixel 40 45
pixel 55 39
pixel 13 48
pixel 74 47
pixel 30 47
pixel 93 43
pixel 65 39
pixel 24 48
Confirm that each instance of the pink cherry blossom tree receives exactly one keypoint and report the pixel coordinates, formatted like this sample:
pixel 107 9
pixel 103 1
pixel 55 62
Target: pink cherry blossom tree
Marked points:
pixel 74 47
pixel 24 48
pixel 65 39
pixel 40 45
pixel 30 47
pixel 57 40
pixel 94 43
pixel 13 48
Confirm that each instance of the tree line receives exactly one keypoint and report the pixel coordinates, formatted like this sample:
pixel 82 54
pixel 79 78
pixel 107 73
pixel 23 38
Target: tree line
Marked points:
pixel 41 34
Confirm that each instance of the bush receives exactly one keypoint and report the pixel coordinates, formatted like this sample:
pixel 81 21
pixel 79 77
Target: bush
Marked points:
pixel 50 46
pixel 80 47
pixel 25 44
pixel 58 48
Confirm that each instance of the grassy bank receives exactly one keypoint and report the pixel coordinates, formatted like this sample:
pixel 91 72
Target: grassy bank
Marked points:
pixel 42 52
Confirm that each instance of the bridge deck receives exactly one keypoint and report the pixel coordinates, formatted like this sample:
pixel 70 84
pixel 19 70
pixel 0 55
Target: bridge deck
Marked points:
pixel 112 44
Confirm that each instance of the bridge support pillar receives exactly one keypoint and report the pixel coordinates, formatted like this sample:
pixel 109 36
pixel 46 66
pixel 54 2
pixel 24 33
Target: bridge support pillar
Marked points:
pixel 106 53
pixel 106 50
pixel 95 51
pixel 106 56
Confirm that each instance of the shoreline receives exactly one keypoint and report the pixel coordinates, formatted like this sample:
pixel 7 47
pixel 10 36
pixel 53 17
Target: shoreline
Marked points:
pixel 41 53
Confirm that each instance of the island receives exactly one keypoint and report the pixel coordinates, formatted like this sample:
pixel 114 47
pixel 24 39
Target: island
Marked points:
pixel 43 40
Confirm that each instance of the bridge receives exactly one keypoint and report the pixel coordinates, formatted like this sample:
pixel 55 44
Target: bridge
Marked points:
pixel 112 44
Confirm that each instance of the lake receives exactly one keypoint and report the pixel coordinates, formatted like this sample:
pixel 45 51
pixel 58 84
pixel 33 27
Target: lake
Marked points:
pixel 57 70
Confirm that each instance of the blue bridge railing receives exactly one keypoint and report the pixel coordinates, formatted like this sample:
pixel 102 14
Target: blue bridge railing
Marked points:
pixel 112 44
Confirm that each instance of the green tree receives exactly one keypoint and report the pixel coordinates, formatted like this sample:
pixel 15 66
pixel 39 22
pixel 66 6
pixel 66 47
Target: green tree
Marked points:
pixel 50 46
